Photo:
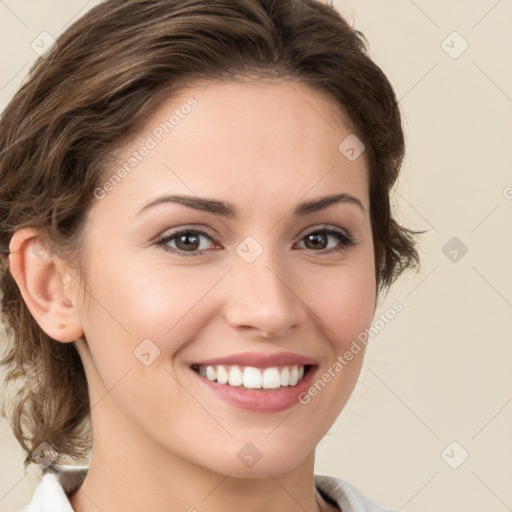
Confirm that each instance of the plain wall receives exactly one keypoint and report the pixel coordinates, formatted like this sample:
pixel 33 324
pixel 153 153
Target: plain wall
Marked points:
pixel 439 372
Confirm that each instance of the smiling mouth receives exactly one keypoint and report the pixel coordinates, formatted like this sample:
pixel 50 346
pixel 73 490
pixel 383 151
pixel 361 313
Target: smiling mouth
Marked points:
pixel 250 377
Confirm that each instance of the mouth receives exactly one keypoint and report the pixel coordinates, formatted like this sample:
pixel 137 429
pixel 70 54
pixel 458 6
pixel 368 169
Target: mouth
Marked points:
pixel 256 382
pixel 253 378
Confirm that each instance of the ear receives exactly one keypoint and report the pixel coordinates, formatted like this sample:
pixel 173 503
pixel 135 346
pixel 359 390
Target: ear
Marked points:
pixel 45 285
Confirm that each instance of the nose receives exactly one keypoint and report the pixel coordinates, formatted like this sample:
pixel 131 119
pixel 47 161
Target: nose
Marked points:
pixel 263 297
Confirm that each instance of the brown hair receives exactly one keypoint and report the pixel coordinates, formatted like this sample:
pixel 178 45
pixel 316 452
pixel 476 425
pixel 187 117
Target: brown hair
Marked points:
pixel 108 71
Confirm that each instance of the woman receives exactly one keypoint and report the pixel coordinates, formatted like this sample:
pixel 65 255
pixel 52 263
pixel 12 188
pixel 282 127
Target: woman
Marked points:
pixel 196 228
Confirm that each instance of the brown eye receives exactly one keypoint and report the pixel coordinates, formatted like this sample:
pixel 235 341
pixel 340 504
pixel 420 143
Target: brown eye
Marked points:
pixel 318 240
pixel 186 242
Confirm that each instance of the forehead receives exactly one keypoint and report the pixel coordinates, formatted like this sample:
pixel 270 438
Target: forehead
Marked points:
pixel 276 140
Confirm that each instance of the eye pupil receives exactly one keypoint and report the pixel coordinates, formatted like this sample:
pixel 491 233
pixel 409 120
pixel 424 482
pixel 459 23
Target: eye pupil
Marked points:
pixel 317 239
pixel 183 241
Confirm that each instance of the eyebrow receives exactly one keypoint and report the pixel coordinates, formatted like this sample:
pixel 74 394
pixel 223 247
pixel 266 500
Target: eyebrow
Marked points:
pixel 230 210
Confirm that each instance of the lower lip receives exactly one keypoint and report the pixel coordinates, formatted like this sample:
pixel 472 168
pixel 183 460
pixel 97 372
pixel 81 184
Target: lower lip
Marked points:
pixel 260 400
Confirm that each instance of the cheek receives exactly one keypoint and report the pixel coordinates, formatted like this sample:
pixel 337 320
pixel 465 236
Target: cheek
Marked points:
pixel 343 299
pixel 132 301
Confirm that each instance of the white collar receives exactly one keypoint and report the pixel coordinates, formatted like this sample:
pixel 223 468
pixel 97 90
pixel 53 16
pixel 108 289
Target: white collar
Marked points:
pixel 51 493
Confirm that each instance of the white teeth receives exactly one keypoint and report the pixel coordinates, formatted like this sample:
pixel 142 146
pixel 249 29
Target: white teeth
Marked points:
pixel 211 374
pixel 271 378
pixel 235 376
pixel 253 378
pixel 294 375
pixel 222 375
pixel 284 378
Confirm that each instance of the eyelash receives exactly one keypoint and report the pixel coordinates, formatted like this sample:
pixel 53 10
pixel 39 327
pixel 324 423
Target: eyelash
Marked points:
pixel 347 241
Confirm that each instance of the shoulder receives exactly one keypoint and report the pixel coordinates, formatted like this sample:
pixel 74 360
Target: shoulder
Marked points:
pixel 346 496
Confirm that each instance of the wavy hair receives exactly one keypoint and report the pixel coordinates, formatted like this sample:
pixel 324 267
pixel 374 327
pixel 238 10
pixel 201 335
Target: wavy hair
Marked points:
pixel 106 74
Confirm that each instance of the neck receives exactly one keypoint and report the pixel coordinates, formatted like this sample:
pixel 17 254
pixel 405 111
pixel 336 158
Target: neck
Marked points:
pixel 142 475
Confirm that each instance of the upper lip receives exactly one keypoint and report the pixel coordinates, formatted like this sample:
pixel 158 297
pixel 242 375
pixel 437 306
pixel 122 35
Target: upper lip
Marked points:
pixel 259 360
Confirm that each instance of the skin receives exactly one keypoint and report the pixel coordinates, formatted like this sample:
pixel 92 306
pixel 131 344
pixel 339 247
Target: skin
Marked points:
pixel 161 439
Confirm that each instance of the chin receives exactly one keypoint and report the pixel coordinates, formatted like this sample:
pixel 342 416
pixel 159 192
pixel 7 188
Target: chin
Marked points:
pixel 260 458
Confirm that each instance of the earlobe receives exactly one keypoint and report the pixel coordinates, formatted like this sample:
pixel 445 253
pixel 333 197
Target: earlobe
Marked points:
pixel 40 277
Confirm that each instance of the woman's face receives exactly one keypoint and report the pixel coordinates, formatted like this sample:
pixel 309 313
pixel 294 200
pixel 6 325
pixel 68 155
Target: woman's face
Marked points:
pixel 250 278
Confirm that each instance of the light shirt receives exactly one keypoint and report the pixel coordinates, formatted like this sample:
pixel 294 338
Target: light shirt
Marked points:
pixel 51 494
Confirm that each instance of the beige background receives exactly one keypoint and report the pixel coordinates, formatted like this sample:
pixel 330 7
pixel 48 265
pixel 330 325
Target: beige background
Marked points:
pixel 440 371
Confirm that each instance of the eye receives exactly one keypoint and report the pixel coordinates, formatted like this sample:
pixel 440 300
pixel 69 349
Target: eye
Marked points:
pixel 318 240
pixel 192 242
pixel 186 241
